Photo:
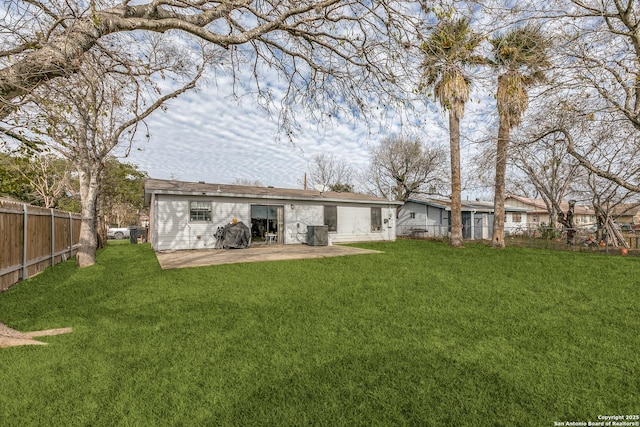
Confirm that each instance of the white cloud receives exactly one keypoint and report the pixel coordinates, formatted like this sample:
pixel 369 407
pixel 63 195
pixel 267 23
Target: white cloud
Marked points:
pixel 211 136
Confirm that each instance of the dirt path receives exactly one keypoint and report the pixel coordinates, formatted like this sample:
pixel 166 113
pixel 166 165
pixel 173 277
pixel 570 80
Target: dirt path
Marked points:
pixel 10 337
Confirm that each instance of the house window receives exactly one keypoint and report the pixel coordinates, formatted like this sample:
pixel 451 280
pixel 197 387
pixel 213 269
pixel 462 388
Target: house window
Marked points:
pixel 331 217
pixel 516 217
pixel 412 215
pixel 376 219
pixel 199 211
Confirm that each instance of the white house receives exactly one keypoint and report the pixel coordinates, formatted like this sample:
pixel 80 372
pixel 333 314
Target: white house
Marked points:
pixel 584 216
pixel 186 215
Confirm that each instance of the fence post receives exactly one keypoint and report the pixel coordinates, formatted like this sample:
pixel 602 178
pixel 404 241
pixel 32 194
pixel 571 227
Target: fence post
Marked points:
pixel 25 220
pixel 53 237
pixel 70 236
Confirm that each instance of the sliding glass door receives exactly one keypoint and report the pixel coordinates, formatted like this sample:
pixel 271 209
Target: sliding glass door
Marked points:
pixel 267 224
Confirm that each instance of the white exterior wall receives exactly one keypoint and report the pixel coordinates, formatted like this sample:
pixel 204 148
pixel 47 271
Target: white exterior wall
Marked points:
pixel 583 219
pixel 542 216
pixel 175 231
pixel 433 219
pixel 152 236
pixel 354 225
pixel 514 226
pixel 297 218
pixel 171 229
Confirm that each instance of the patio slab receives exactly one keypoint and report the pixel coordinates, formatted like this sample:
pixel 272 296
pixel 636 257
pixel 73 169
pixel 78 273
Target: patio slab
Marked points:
pixel 256 253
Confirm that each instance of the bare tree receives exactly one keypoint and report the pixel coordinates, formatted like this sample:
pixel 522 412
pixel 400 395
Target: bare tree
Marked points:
pixel 608 199
pixel 327 170
pixel 599 32
pixel 85 116
pixel 320 48
pixel 549 168
pixel 627 177
pixel 597 72
pixel 600 143
pixel 403 167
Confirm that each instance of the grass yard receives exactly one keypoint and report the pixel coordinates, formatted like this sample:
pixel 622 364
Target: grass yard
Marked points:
pixel 422 334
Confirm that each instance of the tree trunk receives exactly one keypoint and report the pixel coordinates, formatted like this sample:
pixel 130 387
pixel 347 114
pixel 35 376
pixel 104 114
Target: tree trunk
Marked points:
pixel 601 221
pixel 101 224
pixel 497 239
pixel 89 185
pixel 571 227
pixel 456 181
pixel 567 221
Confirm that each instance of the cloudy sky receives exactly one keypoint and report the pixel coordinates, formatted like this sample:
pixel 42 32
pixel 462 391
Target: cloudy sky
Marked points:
pixel 210 136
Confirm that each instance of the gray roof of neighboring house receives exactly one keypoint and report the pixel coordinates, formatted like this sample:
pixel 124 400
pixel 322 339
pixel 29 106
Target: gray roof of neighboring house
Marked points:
pixel 467 205
pixel 160 186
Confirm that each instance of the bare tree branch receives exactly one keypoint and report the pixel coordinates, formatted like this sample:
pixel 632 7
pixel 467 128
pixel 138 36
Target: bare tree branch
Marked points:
pixel 327 36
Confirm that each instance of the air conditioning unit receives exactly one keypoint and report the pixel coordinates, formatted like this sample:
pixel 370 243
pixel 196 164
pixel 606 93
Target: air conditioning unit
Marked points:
pixel 317 235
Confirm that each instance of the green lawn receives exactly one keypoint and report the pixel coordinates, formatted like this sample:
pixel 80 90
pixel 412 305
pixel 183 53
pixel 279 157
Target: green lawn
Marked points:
pixel 422 334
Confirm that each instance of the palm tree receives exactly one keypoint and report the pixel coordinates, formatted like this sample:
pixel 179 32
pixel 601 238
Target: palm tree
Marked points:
pixel 520 55
pixel 449 52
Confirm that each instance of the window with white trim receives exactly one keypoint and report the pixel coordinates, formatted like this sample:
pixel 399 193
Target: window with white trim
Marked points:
pixel 199 211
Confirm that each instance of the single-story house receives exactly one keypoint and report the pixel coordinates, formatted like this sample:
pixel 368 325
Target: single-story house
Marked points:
pixel 584 216
pixel 431 217
pixel 626 213
pixel 187 215
pixel 423 217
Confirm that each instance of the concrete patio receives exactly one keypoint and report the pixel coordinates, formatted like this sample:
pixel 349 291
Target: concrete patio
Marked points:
pixel 256 253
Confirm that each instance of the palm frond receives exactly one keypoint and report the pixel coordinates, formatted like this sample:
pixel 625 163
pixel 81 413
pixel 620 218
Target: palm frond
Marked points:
pixel 512 97
pixel 522 55
pixel 448 52
pixel 452 91
pixel 523 48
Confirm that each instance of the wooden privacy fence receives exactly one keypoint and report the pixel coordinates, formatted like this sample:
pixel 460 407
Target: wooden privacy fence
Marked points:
pixel 33 238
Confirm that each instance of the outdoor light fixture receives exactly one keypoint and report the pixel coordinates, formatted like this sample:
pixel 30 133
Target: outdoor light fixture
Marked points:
pixel 292 206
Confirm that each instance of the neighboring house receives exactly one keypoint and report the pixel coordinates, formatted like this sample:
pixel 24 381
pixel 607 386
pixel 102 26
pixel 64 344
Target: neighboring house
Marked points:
pixel 426 217
pixel 584 216
pixel 625 213
pixel 186 215
pixel 431 217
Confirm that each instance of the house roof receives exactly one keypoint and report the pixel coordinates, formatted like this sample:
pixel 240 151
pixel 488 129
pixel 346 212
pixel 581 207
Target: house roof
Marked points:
pixel 538 205
pixel 467 205
pixel 160 186
pixel 535 204
pixel 438 203
pixel 626 209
